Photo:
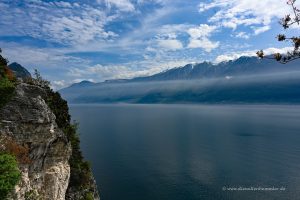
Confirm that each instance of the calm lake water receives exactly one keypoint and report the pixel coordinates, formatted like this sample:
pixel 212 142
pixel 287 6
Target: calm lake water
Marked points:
pixel 187 152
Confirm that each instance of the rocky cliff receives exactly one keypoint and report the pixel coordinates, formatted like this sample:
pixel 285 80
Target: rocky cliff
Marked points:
pixel 30 126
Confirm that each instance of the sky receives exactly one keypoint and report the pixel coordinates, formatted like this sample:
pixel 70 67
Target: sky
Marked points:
pixel 73 40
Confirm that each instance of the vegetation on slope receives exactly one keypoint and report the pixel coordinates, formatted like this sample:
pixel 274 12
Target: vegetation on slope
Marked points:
pixel 287 22
pixel 7 81
pixel 9 174
pixel 9 171
pixel 11 154
pixel 81 175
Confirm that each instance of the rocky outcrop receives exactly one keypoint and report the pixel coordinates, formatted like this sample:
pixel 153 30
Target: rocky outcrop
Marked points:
pixel 29 122
pixel 73 193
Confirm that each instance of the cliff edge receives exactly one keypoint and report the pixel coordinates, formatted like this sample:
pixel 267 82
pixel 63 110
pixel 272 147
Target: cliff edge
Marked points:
pixel 35 127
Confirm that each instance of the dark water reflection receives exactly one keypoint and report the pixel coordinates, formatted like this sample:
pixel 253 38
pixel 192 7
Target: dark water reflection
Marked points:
pixel 184 152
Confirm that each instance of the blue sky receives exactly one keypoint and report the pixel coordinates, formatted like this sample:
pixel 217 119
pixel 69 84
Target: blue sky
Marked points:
pixel 74 40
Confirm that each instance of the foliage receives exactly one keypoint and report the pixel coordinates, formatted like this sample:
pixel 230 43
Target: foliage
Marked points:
pixel 80 169
pixel 3 62
pixel 286 23
pixel 39 81
pixel 59 107
pixel 7 82
pixel 9 174
pixel 7 89
pixel 4 70
pixel 20 152
pixel 32 195
pixel 89 196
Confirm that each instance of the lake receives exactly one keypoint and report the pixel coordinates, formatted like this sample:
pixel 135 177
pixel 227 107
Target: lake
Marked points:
pixel 187 152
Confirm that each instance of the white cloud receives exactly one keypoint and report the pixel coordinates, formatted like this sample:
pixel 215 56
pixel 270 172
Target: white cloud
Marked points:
pixel 80 79
pixel 123 5
pixel 170 44
pixel 152 1
pixel 235 13
pixel 101 72
pixel 199 37
pixel 259 30
pixel 236 55
pixel 108 71
pixel 207 6
pixel 129 70
pixel 203 43
pixel 273 50
pixel 40 57
pixel 174 28
pixel 203 30
pixel 59 84
pixel 56 85
pixel 243 35
pixel 166 37
pixel 58 22
pixel 63 4
pixel 233 56
pixel 75 30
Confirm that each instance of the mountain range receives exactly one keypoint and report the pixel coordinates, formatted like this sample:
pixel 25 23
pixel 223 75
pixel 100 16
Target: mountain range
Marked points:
pixel 241 66
pixel 244 80
pixel 19 70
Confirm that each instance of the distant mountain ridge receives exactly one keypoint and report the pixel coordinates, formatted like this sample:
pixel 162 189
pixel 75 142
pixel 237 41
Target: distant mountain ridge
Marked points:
pixel 242 66
pixel 245 80
pixel 82 84
pixel 19 70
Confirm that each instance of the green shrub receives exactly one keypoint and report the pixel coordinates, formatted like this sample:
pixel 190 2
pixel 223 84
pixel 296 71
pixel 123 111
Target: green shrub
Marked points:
pixel 7 86
pixel 32 195
pixel 89 196
pixel 7 89
pixel 81 175
pixel 9 174
pixel 60 108
pixel 80 169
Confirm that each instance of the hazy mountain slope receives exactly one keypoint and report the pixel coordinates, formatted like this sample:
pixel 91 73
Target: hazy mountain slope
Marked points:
pixel 245 80
pixel 241 66
pixel 276 88
pixel 19 70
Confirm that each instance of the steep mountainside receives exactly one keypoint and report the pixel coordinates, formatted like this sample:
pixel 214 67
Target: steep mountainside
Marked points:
pixel 29 124
pixel 19 70
pixel 283 88
pixel 240 67
pixel 245 80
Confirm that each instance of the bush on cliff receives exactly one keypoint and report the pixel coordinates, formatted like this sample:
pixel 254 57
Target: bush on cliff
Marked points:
pixel 7 81
pixel 10 146
pixel 80 169
pixel 7 89
pixel 9 174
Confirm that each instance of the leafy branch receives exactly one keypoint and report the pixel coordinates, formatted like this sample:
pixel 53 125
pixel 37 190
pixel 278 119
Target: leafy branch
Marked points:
pixel 286 23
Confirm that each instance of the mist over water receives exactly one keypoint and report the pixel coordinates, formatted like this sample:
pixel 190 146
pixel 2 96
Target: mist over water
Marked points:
pixel 266 88
pixel 176 152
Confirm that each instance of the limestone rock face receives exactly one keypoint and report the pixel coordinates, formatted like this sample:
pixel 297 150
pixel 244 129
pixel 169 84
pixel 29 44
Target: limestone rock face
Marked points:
pixel 28 121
